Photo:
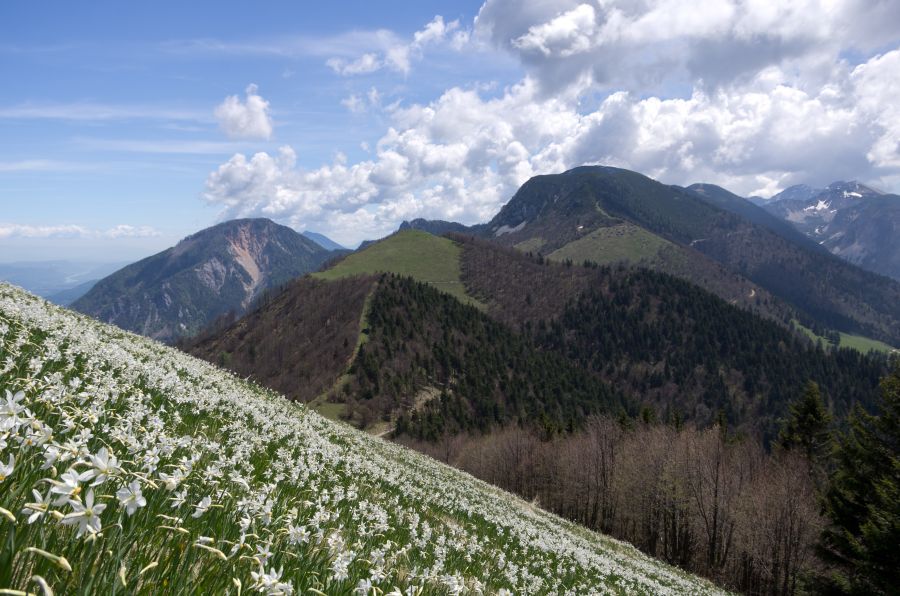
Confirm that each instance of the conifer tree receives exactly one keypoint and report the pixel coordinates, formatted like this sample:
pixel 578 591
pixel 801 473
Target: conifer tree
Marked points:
pixel 863 501
pixel 808 427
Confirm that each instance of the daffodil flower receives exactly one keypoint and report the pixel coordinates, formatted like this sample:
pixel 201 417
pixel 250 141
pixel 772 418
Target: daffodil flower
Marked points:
pixel 130 497
pixel 86 516
pixel 6 470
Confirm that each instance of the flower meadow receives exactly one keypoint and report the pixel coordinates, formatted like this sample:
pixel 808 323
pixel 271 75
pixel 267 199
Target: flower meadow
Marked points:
pixel 127 467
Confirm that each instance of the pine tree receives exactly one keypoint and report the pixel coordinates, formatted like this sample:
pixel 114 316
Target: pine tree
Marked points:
pixel 808 427
pixel 863 501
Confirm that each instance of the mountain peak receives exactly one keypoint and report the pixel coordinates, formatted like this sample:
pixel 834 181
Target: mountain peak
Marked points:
pixel 852 189
pixel 207 274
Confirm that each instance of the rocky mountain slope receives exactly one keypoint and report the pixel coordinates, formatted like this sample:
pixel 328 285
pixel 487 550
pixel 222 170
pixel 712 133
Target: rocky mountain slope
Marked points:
pixel 220 269
pixel 851 220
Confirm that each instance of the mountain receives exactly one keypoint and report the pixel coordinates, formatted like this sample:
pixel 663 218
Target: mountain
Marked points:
pixel 867 234
pixel 70 295
pixel 728 201
pixel 499 337
pixel 210 461
pixel 435 226
pixel 539 379
pixel 220 269
pixel 324 241
pixel 608 214
pixel 851 220
pixel 811 210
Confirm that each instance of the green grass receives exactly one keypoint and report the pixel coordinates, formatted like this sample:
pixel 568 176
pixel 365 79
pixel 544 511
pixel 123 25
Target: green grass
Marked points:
pixel 613 244
pixel 531 245
pixel 420 255
pixel 856 342
pixel 330 410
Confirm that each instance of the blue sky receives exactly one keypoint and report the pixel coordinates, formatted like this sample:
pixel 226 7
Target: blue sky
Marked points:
pixel 117 136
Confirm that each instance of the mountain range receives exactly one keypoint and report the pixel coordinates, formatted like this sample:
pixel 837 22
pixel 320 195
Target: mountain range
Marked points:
pixel 208 274
pixel 703 234
pixel 595 302
pixel 851 220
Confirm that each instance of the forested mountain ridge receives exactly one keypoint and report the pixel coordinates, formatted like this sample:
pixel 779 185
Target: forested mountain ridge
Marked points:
pixel 549 349
pixel 180 290
pixel 549 212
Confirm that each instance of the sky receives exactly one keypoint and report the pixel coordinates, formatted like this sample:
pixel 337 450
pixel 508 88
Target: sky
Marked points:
pixel 127 126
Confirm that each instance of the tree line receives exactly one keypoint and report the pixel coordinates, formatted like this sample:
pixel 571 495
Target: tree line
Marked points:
pixel 819 513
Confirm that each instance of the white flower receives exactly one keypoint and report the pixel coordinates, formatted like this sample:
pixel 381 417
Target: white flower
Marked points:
pixel 104 465
pixel 202 507
pixel 270 582
pixel 36 510
pixel 179 498
pixel 363 587
pixel 262 554
pixel 87 516
pixel 297 534
pixel 171 482
pixel 340 566
pixel 69 486
pixel 6 470
pixel 10 408
pixel 130 496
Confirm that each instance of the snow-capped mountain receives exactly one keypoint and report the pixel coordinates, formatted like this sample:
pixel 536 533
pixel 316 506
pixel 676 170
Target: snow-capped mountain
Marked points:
pixel 852 220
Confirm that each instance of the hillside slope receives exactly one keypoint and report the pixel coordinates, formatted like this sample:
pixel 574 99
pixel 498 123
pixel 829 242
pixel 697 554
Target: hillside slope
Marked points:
pixel 206 484
pixel 423 256
pixel 220 269
pixel 546 346
pixel 560 209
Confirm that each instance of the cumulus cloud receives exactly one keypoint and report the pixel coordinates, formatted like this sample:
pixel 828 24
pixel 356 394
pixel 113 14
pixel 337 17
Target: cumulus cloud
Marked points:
pixel 75 231
pixel 249 119
pixel 637 46
pixel 397 55
pixel 795 111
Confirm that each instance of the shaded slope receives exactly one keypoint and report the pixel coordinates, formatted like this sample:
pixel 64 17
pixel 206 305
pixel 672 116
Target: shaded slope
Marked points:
pixel 220 269
pixel 480 374
pixel 298 342
pixel 728 201
pixel 662 341
pixel 551 342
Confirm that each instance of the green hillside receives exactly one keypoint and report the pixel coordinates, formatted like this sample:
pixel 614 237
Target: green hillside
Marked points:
pixel 623 242
pixel 420 255
pixel 190 480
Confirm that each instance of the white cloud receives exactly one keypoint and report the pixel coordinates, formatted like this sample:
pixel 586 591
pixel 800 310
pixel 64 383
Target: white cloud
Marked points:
pixel 172 146
pixel 643 46
pixel 74 231
pixel 26 231
pixel 364 64
pixel 128 231
pixel 462 156
pixel 785 108
pixel 358 104
pixel 96 112
pixel 247 120
pixel 391 53
pixel 44 165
